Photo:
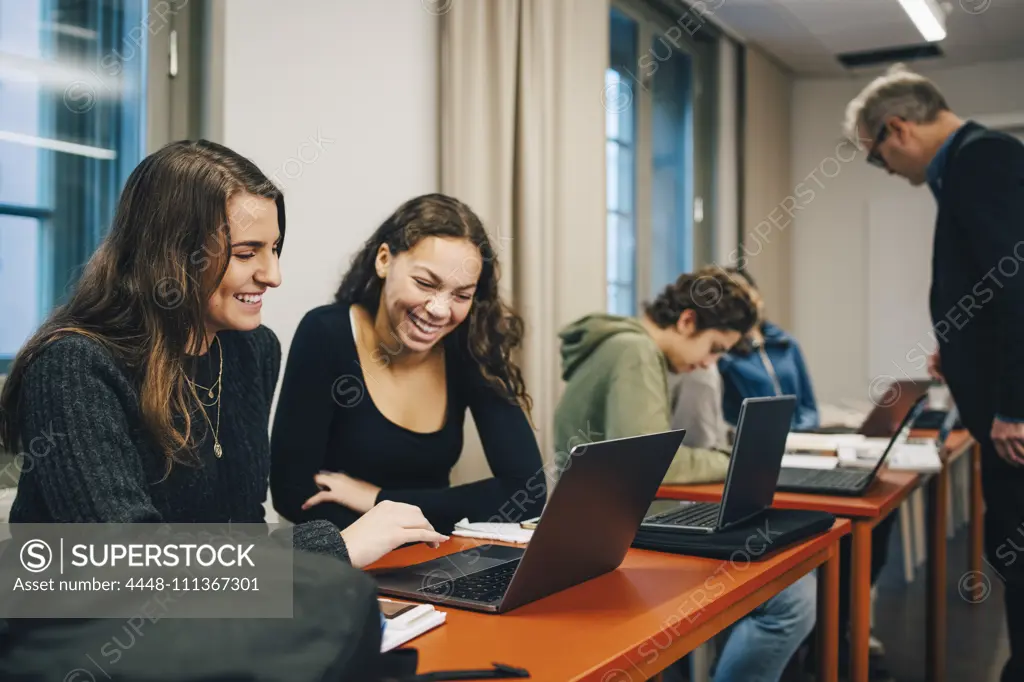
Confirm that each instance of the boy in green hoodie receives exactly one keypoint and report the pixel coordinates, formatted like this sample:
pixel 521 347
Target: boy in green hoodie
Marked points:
pixel 616 368
pixel 616 373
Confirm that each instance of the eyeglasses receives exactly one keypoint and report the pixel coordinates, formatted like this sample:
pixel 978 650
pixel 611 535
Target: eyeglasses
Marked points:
pixel 874 156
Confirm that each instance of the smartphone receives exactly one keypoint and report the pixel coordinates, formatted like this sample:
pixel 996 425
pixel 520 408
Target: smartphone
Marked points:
pixel 393 609
pixel 530 524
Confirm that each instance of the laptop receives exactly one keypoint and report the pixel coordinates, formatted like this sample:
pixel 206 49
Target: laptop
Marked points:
pixel 949 422
pixel 587 525
pixel 886 417
pixel 757 451
pixel 846 481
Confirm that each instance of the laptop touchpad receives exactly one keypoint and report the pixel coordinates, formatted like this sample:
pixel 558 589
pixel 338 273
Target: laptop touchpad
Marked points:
pixel 470 561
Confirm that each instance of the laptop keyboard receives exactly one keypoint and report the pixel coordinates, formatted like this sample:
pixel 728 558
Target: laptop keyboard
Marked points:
pixel 486 587
pixel 825 478
pixel 702 515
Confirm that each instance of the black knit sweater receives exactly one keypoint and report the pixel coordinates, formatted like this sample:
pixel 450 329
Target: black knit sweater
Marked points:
pixel 95 461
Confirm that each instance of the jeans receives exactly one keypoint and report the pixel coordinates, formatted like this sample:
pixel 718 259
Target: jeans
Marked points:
pixel 760 646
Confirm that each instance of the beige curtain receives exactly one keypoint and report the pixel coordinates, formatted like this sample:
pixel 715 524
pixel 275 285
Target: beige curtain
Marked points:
pixel 522 142
pixel 767 232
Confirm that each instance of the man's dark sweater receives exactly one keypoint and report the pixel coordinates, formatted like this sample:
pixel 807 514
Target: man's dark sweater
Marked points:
pixel 977 295
pixel 95 461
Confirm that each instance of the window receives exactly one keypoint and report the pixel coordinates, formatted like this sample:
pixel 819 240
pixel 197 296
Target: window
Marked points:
pixel 620 134
pixel 76 80
pixel 660 102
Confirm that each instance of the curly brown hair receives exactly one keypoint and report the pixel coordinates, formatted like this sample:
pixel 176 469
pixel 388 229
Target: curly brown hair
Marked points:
pixel 716 297
pixel 493 330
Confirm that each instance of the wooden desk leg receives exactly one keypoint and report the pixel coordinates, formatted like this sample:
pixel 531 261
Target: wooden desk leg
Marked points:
pixel 860 601
pixel 976 516
pixel 935 665
pixel 828 619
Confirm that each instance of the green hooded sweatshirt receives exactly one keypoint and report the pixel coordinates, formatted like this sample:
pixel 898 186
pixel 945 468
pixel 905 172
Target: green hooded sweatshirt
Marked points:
pixel 616 387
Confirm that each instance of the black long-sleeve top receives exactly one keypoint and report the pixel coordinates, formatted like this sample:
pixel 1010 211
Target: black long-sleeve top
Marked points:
pixel 94 462
pixel 326 420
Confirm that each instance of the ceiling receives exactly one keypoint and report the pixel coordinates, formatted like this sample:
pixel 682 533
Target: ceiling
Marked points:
pixel 805 35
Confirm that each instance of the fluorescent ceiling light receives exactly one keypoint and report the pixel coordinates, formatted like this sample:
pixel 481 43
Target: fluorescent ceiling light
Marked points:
pixel 58 145
pixel 928 17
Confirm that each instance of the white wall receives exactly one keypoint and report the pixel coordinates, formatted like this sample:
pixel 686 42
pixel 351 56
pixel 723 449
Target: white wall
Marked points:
pixel 859 287
pixel 336 101
pixel 361 77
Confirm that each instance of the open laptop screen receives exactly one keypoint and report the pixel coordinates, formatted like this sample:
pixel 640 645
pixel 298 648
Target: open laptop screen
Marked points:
pixel 903 433
pixel 756 457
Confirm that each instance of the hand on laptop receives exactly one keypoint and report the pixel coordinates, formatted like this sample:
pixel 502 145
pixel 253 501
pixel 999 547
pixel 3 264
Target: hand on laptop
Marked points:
pixel 385 527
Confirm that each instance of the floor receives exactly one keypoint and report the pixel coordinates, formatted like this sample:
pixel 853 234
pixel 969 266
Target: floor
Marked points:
pixel 977 644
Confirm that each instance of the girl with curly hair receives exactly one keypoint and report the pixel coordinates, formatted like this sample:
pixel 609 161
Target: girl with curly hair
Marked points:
pixel 377 383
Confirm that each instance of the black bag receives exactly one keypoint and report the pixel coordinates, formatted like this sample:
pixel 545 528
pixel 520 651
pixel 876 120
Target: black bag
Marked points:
pixel 756 540
pixel 334 634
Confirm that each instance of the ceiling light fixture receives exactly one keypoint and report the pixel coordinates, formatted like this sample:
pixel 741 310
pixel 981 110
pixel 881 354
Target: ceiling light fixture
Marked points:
pixel 928 17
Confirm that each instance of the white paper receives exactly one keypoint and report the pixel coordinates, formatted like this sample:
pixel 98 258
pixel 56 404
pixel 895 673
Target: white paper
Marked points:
pixel 842 415
pixel 809 462
pixel 921 457
pixel 821 442
pixel 485 530
pixel 397 634
pixel 857 458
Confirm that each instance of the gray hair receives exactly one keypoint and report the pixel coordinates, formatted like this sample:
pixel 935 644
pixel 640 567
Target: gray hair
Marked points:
pixel 901 93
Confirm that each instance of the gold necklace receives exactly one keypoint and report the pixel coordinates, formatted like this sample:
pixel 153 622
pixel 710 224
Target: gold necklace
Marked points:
pixel 218 451
pixel 209 391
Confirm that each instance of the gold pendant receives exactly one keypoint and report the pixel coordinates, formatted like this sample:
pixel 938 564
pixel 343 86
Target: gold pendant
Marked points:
pixel 210 393
pixel 218 450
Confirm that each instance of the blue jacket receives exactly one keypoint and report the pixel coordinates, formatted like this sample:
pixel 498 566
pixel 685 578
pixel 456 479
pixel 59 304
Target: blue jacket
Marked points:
pixel 745 376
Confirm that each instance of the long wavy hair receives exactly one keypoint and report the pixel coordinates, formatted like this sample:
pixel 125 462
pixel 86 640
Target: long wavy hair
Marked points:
pixel 492 331
pixel 143 294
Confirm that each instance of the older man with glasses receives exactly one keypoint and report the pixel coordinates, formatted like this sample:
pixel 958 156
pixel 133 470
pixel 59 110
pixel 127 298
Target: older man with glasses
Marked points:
pixel 977 293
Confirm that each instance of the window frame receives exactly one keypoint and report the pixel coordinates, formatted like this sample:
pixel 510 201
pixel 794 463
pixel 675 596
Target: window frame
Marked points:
pixel 619 215
pixel 655 19
pixel 171 110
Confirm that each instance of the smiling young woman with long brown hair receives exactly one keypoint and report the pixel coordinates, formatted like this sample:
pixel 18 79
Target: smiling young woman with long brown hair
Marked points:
pixel 418 334
pixel 157 372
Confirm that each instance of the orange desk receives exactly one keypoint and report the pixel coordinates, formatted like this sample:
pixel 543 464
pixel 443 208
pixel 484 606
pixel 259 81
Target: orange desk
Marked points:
pixel 632 623
pixel 886 494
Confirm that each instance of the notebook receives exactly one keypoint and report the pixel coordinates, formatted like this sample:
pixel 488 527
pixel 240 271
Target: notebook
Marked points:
pixel 405 621
pixel 486 530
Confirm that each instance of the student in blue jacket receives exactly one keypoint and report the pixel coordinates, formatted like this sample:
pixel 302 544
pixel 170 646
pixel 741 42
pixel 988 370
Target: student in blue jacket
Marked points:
pixel 767 362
